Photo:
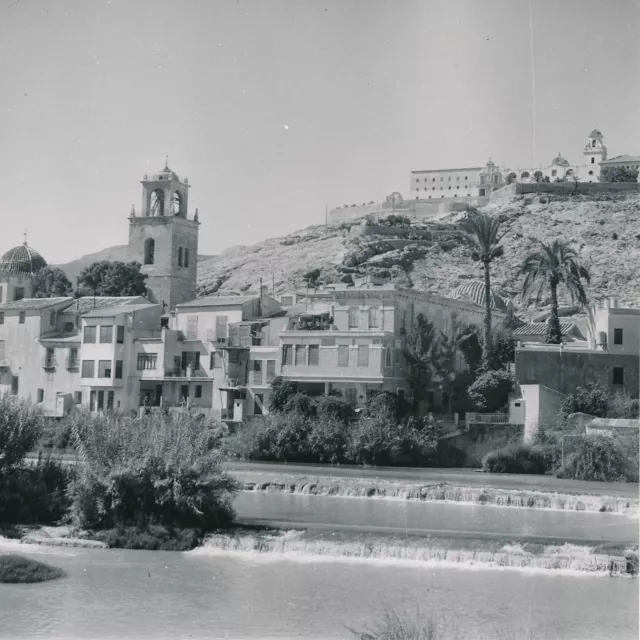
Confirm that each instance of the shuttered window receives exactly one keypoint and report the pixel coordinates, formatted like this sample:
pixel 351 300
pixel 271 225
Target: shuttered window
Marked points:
pixel 373 318
pixel 301 353
pixel 271 370
pixel 363 355
pixel 221 327
pixel 343 355
pixel 287 354
pixel 314 355
pixel 353 317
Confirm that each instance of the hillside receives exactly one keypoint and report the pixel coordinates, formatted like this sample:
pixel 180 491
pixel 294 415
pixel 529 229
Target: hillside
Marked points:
pixel 605 227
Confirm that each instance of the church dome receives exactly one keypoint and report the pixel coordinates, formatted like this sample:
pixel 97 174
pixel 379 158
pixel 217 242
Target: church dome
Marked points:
pixel 474 291
pixel 21 260
pixel 165 174
pixel 595 134
pixel 559 160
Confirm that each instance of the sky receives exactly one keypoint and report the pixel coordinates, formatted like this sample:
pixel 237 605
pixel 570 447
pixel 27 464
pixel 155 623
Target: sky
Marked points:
pixel 275 109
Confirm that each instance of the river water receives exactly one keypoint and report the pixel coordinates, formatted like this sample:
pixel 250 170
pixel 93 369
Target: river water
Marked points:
pixel 212 593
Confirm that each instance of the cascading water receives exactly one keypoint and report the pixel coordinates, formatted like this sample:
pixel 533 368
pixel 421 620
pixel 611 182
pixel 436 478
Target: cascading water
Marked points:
pixel 451 493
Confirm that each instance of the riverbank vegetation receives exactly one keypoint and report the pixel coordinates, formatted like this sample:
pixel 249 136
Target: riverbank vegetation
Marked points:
pixel 20 570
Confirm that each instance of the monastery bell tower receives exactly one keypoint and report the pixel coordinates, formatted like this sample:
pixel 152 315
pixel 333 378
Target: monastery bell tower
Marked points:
pixel 594 153
pixel 164 240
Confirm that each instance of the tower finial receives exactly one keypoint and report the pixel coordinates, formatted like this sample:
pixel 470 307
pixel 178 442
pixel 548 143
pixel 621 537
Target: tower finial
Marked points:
pixel 196 218
pixel 166 161
pixel 133 211
pixel 25 238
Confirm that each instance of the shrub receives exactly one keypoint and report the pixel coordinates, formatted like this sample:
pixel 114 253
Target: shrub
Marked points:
pixel 614 236
pixel 18 570
pixel 158 469
pixel 622 405
pixel 518 458
pixel 606 458
pixel 21 425
pixel 592 400
pixel 36 494
pixel 283 390
pixel 328 440
pixel 372 438
pixel 334 407
pixel 301 405
pixel 150 538
pixel 490 391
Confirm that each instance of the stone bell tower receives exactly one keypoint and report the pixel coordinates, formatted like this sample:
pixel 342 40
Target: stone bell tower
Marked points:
pixel 164 240
pixel 594 153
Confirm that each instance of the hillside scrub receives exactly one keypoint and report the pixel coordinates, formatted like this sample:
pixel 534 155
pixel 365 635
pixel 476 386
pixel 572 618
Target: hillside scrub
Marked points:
pixel 162 469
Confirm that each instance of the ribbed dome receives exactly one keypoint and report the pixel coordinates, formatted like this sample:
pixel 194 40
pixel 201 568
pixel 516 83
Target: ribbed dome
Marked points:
pixel 595 134
pixel 22 259
pixel 165 174
pixel 559 160
pixel 474 291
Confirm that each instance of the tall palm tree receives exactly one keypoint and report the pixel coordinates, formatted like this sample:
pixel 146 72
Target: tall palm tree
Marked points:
pixel 550 266
pixel 482 233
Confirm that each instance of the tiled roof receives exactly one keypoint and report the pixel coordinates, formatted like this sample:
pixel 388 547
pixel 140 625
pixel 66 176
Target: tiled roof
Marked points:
pixel 109 312
pixel 22 259
pixel 619 159
pixel 474 291
pixel 218 301
pixel 89 303
pixel 540 329
pixel 33 304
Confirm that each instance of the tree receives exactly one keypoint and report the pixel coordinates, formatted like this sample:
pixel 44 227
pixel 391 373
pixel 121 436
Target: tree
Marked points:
pixel 50 282
pixel 511 178
pixel 107 278
pixel 618 174
pixel 417 352
pixel 592 400
pixel 283 391
pixel 311 278
pixel 550 266
pixel 490 392
pixel 483 235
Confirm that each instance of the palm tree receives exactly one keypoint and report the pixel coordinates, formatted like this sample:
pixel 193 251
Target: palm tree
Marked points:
pixel 552 265
pixel 483 235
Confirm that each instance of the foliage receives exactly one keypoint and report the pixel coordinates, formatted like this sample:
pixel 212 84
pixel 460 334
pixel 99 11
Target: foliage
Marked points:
pixel 417 352
pixel 282 391
pixel 50 282
pixel 300 404
pixel 490 391
pixel 105 278
pixel 159 469
pixel 392 627
pixel 34 494
pixel 483 235
pixel 21 424
pixel 470 343
pixel 334 407
pixel 622 405
pixel 395 220
pixel 371 439
pixel 311 278
pixel 511 178
pixel 592 400
pixel 19 570
pixel 518 458
pixel 150 538
pixel 549 267
pixel 386 402
pixel 606 458
pixel 618 174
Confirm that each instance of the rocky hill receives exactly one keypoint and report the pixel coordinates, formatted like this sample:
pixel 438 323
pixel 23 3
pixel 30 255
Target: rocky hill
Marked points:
pixel 605 227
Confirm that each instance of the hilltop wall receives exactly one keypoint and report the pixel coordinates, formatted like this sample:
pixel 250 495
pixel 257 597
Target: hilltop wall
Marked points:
pixel 569 188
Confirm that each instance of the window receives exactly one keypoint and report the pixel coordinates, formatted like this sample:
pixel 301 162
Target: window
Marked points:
pixel 104 368
pixel 147 361
pixel 184 392
pixel 618 375
pixel 257 372
pixel 301 353
pixel 149 250
pixel 343 355
pixel 271 370
pixel 221 328
pixel 179 256
pixel 480 192
pixel 198 392
pixel 353 317
pixel 89 335
pixel 617 336
pixel 192 327
pixel 1 317
pixel 314 355
pixel 234 357
pixel 88 368
pixel 15 383
pixel 72 362
pixel 286 301
pixel 22 317
pixel 212 360
pixel 388 353
pixel 350 395
pixel 593 143
pixel 49 357
pixel 593 160
pixel 40 395
pixel 373 318
pixel 110 395
pixel 52 317
pixel 100 400
pixel 191 358
pixel 287 354
pixel 258 404
pixel 554 172
pixel 106 335
pixel 186 257
pixel 18 293
pixel 590 173
pixel 77 397
pixel 433 179
pixel 363 355
pixel 118 369
pixel 120 334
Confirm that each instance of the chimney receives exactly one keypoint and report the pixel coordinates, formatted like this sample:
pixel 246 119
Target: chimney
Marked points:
pixel 614 303
pixel 264 298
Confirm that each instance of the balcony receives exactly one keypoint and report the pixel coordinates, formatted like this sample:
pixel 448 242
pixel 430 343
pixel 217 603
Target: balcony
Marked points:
pixel 186 374
pixel 5 363
pixel 73 363
pixel 311 322
pixel 49 362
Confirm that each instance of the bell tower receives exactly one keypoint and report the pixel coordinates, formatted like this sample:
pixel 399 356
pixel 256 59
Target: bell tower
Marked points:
pixel 164 240
pixel 594 153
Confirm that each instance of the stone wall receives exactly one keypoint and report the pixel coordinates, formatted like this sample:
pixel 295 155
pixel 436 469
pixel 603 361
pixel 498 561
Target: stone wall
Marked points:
pixel 564 370
pixel 569 188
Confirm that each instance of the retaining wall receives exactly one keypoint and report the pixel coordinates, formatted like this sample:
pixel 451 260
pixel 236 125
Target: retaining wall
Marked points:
pixel 572 188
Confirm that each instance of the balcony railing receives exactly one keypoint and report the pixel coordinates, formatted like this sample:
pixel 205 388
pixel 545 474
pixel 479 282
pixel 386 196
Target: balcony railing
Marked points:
pixel 73 363
pixel 487 418
pixel 49 362
pixel 178 372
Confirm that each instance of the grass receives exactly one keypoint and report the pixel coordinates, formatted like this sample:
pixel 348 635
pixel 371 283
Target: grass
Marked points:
pixel 19 570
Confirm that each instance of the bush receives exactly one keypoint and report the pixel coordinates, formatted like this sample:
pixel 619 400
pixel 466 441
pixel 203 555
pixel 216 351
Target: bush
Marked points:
pixel 592 400
pixel 372 438
pixel 19 570
pixel 327 440
pixel 151 538
pixel 622 405
pixel 518 458
pixel 283 390
pixel 35 494
pixel 21 425
pixel 490 391
pixel 606 458
pixel 158 469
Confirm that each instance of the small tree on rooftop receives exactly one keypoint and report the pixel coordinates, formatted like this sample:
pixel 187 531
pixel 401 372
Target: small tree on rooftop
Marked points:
pixel 548 267
pixel 483 234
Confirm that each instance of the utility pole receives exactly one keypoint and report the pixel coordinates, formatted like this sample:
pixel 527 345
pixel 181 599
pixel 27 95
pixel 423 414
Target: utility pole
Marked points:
pixel 326 215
